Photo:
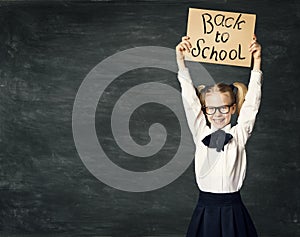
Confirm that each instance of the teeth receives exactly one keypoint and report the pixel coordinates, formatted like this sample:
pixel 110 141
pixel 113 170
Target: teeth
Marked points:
pixel 218 120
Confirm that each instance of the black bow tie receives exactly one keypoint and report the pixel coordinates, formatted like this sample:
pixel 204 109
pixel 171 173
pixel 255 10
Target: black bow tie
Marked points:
pixel 217 139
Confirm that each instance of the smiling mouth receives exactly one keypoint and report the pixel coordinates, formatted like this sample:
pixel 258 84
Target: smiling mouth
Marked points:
pixel 219 120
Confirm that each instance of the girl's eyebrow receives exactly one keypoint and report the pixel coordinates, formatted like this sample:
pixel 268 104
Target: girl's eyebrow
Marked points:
pixel 219 106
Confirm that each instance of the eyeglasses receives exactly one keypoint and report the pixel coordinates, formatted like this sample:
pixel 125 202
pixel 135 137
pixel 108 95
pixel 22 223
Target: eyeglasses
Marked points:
pixel 210 110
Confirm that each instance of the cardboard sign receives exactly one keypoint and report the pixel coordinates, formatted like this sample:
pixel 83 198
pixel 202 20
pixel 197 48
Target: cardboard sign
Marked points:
pixel 220 37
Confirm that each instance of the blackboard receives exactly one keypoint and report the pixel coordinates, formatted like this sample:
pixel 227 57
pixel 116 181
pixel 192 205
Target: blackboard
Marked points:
pixel 48 48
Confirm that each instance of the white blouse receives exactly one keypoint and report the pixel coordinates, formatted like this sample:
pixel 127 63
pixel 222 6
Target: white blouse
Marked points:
pixel 220 172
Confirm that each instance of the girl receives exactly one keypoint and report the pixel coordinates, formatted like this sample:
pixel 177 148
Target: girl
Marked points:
pixel 220 157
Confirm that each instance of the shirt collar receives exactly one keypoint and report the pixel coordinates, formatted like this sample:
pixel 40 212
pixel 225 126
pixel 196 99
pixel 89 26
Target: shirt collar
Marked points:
pixel 225 129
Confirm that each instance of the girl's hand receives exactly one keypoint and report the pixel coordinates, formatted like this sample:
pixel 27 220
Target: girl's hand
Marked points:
pixel 183 46
pixel 255 49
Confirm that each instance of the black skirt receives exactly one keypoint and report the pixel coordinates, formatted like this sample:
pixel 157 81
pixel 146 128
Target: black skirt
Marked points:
pixel 221 215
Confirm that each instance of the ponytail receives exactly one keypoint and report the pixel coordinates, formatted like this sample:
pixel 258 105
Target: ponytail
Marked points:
pixel 240 95
pixel 200 89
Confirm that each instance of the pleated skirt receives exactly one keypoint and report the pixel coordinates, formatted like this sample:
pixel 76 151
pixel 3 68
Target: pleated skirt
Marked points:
pixel 221 215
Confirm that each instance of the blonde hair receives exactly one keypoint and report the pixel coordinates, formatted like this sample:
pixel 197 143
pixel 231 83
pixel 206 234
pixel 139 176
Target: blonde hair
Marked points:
pixel 237 97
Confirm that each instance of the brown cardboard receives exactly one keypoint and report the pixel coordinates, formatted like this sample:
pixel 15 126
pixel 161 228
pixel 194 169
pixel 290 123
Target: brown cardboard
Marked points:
pixel 220 37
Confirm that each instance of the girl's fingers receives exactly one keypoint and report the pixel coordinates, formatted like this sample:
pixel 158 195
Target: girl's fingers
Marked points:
pixel 253 49
pixel 254 40
pixel 187 45
pixel 254 45
pixel 186 40
pixel 182 47
pixel 179 48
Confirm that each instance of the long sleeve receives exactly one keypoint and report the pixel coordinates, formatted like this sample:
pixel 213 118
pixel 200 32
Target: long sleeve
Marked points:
pixel 249 110
pixel 192 106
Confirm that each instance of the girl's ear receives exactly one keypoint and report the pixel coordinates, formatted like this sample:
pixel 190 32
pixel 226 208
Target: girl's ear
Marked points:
pixel 233 109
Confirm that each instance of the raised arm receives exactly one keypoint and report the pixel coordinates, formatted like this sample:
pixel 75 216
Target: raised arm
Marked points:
pixel 249 110
pixel 192 106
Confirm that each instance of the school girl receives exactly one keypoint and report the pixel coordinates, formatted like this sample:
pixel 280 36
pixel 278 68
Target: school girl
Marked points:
pixel 220 157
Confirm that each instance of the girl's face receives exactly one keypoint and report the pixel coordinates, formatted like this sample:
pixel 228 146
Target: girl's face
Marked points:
pixel 222 116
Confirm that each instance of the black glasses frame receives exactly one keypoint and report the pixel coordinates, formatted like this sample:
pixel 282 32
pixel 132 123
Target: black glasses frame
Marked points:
pixel 217 108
